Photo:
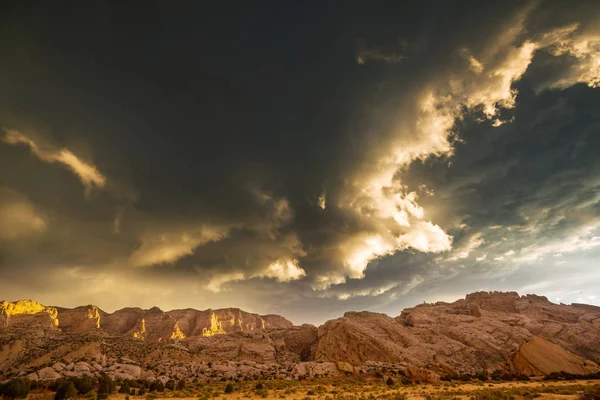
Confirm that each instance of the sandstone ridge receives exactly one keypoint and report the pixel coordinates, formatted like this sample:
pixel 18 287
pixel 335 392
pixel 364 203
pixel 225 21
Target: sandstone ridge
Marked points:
pixel 152 325
pixel 487 332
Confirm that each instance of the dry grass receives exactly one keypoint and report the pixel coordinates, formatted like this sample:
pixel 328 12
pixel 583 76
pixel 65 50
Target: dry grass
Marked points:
pixel 356 389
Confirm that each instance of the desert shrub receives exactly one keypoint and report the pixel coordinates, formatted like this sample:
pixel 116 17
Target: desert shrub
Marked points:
pixel 106 386
pixel 389 382
pixel 264 393
pixel 170 384
pixel 482 376
pixel 65 391
pixel 259 386
pixel 180 384
pixel 125 388
pixel 591 393
pixel 16 388
pixel 229 388
pixel 465 377
pixel 157 386
pixel 565 376
pixel 491 394
pixel 92 395
pixel 142 391
pixel 84 384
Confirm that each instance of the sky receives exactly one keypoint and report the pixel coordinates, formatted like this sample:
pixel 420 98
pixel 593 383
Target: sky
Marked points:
pixel 298 158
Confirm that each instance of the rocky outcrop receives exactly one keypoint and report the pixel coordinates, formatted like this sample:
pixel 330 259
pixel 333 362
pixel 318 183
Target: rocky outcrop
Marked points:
pixel 541 357
pixel 79 319
pixel 485 332
pixel 27 312
pixel 153 325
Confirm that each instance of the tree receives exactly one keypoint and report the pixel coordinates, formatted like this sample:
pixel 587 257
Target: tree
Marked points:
pixel 229 388
pixel 389 382
pixel 125 388
pixel 84 384
pixel 181 384
pixel 106 386
pixel 157 386
pixel 66 390
pixel 142 391
pixel 170 384
pixel 17 388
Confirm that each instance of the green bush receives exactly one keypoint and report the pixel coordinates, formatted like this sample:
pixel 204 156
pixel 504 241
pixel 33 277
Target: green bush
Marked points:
pixel 17 388
pixel 106 386
pixel 170 384
pixel 65 391
pixel 84 384
pixel 92 395
pixel 125 388
pixel 157 386
pixel 229 388
pixel 489 394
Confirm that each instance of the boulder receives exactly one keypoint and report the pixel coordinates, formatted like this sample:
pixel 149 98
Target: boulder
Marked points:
pixel 422 375
pixel 48 374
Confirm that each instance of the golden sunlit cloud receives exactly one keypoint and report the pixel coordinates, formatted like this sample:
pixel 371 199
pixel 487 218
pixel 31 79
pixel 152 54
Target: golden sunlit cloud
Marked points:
pixel 584 46
pixel 284 270
pixel 166 248
pixel 87 173
pixel 393 219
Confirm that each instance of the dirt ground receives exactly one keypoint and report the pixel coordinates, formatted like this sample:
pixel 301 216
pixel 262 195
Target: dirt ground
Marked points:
pixel 324 390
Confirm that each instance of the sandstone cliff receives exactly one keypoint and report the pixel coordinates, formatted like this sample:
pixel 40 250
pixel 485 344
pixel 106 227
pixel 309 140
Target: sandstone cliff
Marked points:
pixel 485 332
pixel 153 325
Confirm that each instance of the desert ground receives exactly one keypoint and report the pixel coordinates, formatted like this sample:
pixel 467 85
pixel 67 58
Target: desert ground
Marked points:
pixel 328 389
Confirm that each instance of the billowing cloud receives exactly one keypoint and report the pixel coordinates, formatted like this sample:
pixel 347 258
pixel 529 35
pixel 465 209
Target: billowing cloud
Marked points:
pixel 449 147
pixel 394 220
pixel 166 248
pixel 280 271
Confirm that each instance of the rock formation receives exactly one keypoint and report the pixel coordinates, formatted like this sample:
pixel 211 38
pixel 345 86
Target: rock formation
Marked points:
pixel 485 332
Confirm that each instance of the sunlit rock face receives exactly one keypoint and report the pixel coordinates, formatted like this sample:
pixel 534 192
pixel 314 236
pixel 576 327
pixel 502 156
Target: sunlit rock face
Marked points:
pixel 24 312
pixel 153 325
pixel 79 319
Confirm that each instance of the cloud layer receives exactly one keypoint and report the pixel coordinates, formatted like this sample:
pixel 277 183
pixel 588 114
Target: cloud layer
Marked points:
pixel 427 152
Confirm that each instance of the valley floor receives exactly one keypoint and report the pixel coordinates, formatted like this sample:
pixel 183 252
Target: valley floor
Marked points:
pixel 341 389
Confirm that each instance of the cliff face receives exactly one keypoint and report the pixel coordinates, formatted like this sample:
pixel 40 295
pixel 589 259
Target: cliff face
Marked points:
pixel 27 312
pixel 153 325
pixel 483 332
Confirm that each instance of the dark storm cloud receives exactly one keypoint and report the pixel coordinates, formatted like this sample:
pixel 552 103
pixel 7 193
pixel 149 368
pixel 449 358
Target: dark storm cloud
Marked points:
pixel 292 155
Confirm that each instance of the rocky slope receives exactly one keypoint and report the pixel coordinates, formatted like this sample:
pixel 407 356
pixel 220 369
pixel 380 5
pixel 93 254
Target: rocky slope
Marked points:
pixel 483 332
